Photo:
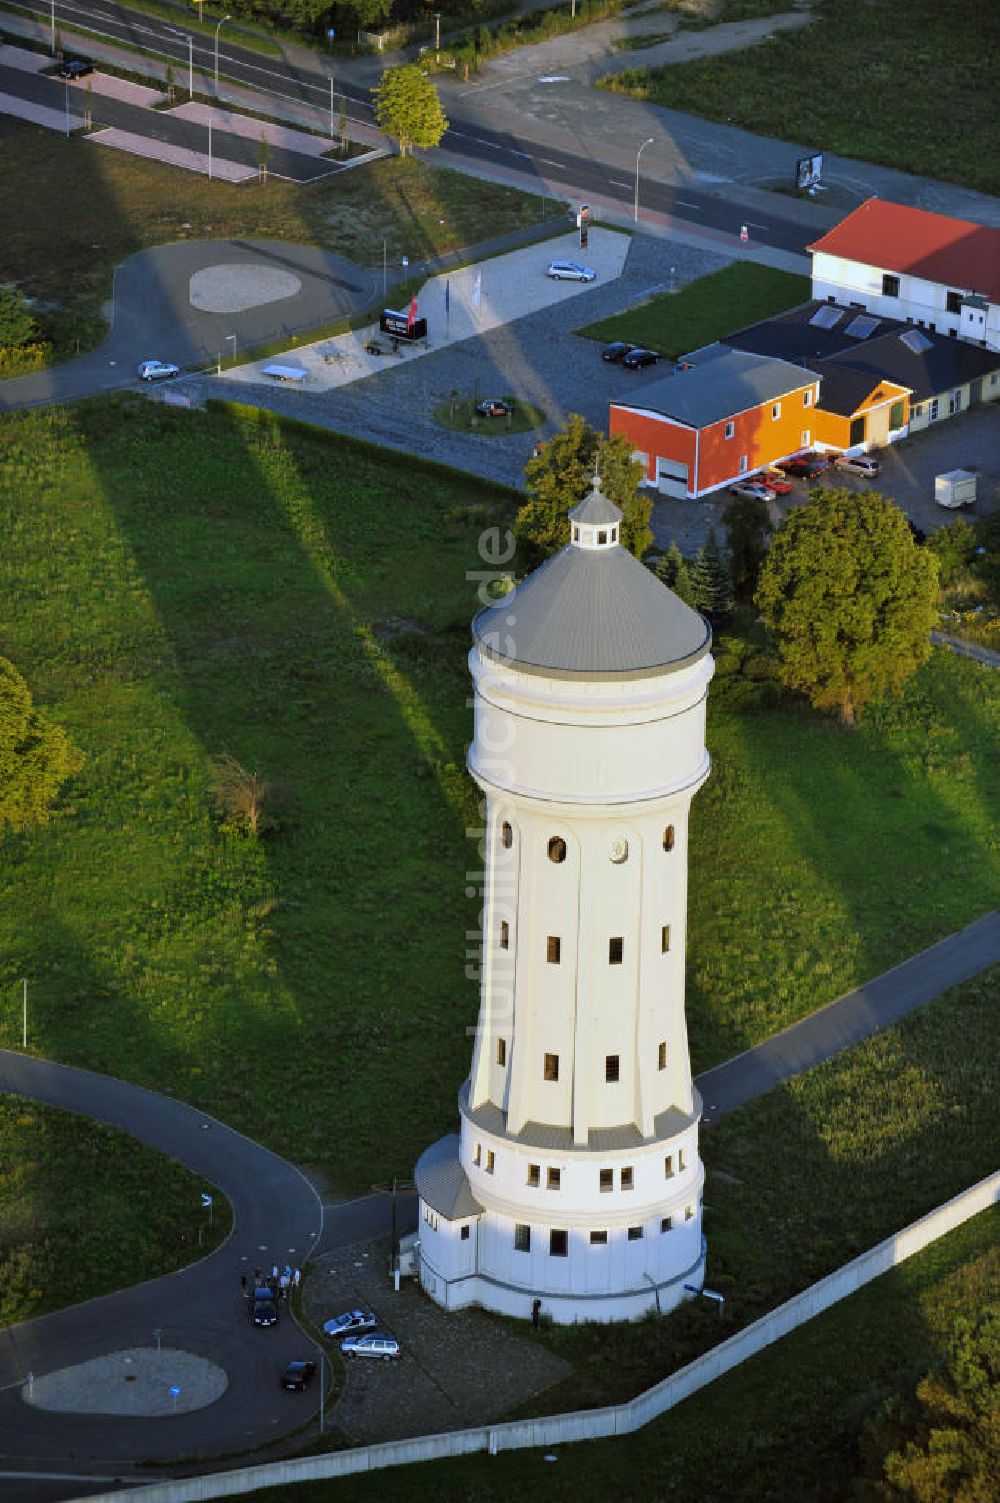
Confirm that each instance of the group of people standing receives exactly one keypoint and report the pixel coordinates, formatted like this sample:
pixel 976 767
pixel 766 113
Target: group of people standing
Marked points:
pixel 279 1280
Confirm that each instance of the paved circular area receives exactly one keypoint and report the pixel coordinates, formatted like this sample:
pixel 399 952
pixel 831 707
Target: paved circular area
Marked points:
pixel 231 288
pixel 136 1382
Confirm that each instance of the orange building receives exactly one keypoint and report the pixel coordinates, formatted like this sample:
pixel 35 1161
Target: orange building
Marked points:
pixel 856 409
pixel 700 429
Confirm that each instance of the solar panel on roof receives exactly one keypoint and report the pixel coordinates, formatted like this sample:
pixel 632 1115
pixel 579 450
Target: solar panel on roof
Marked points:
pixel 915 341
pixel 862 326
pixel 826 317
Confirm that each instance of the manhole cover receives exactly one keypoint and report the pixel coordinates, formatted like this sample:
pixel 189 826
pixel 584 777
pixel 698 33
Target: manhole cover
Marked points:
pixel 130 1377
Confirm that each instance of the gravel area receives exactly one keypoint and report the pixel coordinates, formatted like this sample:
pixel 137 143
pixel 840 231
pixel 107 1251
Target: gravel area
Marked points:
pixel 229 288
pixel 456 1369
pixel 135 1382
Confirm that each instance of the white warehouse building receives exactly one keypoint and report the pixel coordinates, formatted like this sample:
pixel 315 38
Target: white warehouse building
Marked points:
pixel 574 1185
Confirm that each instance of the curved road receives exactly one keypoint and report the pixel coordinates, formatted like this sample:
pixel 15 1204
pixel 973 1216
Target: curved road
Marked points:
pixel 277 1217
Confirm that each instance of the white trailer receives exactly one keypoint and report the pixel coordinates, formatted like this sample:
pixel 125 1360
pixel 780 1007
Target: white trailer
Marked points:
pixel 955 488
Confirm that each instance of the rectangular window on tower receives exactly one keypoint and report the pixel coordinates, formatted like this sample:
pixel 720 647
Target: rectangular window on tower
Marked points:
pixel 661 1055
pixel 501 1051
pixel 635 1234
pixel 607 1180
pixel 664 939
pixel 552 1067
pixel 477 1156
pixel 554 1179
pixel 504 935
pixel 598 1239
pixel 522 1238
pixel 490 1161
pixel 666 1223
pixel 552 949
pixel 612 1068
pixel 626 1179
pixel 534 1175
pixel 465 1233
pixel 680 1161
pixel 558 1243
pixel 616 949
pixel 668 1166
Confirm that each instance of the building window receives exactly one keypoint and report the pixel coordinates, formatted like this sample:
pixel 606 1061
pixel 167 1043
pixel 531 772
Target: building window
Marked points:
pixel 896 418
pixel 689 1213
pixel 607 1180
pixel 775 411
pixel 552 1067
pixel 576 534
pixel 627 1179
pixel 506 835
pixel 465 1234
pixel 501 1051
pixel 917 410
pixel 490 1161
pixel 598 1239
pixel 504 934
pixel 668 838
pixel 534 1176
pixel 730 429
pixel 666 1223
pixel 668 1166
pixel 744 464
pixel 932 410
pixel 807 397
pixel 890 285
pixel 953 302
pixel 954 403
pixel 522 1238
pixel 611 1068
pixel 558 1243
pixel 557 849
pixel 635 1234
pixel 616 949
pixel 477 1156
pixel 661 1058
pixel 681 1166
pixel 552 949
pixel 664 939
pixel 553 1178
pixel 602 537
pixel 807 437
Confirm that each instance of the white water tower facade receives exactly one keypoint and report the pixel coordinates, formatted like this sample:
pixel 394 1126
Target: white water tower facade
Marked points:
pixel 575 1178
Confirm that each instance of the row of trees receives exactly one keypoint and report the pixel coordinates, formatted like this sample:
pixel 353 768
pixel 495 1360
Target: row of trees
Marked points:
pixel 847 595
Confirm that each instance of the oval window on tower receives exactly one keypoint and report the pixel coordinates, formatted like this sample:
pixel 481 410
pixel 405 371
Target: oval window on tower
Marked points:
pixel 668 838
pixel 557 849
pixel 506 835
pixel 619 850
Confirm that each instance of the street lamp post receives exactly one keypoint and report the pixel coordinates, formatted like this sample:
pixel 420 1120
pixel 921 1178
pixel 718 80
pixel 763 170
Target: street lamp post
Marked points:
pixel 210 148
pixel 648 142
pixel 233 338
pixel 437 36
pixel 217 30
pixel 190 42
pixel 52 47
pixel 24 1012
pixel 67 108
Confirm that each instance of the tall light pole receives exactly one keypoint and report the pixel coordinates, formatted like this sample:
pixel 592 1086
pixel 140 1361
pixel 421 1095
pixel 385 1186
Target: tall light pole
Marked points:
pixel 437 36
pixel 52 47
pixel 190 42
pixel 66 81
pixel 331 106
pixel 233 338
pixel 217 30
pixel 24 1012
pixel 648 142
pixel 209 148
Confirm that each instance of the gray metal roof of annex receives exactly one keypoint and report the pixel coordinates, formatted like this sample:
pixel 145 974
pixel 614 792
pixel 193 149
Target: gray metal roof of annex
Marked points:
pixel 730 383
pixel 595 613
pixel 441 1181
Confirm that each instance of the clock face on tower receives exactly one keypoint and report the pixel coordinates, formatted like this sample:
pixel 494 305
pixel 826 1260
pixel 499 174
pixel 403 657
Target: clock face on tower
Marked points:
pixel 619 850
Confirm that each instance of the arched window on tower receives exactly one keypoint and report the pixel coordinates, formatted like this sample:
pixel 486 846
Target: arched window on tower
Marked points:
pixel 668 838
pixel 557 849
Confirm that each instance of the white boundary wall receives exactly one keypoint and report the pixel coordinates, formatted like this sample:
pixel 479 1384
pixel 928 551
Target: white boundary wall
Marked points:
pixel 591 1424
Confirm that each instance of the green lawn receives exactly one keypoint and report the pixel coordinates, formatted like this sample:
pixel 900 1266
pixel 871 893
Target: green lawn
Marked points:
pixel 868 78
pixel 178 585
pixel 85 1210
pixel 783 1428
pixel 459 413
pixel 675 323
pixel 122 204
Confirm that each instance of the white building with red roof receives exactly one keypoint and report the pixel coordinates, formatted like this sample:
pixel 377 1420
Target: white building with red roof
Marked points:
pixel 897 262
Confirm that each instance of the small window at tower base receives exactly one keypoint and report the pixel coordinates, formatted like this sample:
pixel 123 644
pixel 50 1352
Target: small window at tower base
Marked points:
pixel 551 1067
pixel 557 849
pixel 506 835
pixel 635 1234
pixel 598 1239
pixel 558 1243
pixel 522 1238
pixel 465 1234
pixel 668 838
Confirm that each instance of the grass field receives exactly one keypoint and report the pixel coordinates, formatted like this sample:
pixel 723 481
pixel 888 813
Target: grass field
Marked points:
pixel 857 82
pixel 460 414
pixel 54 1249
pixel 783 1428
pixel 675 323
pixel 178 585
pixel 122 204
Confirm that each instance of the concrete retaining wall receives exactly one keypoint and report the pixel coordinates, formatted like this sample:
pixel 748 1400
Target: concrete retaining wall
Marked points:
pixel 591 1424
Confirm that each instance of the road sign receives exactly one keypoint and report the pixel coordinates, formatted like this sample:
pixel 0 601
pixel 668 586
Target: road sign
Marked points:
pixel 206 1200
pixel 744 234
pixel 174 1390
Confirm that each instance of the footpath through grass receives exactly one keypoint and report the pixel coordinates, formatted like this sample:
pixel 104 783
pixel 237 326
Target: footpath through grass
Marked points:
pixel 674 323
pixel 867 78
pixel 179 585
pixel 85 1210
pixel 122 204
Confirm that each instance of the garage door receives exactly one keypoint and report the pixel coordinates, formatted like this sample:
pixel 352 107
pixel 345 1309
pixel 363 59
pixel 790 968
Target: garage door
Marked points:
pixel 671 477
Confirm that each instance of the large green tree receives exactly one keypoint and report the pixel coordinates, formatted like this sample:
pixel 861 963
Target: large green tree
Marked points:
pixel 748 528
pixel 408 109
pixel 36 756
pixel 850 598
pixel 560 476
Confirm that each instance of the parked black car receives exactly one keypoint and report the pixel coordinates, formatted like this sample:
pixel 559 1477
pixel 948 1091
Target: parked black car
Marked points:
pixel 263 1308
pixel 636 359
pixel 74 67
pixel 616 352
pixel 297 1376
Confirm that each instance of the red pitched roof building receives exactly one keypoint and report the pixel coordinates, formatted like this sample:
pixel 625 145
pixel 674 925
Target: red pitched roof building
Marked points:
pixel 939 273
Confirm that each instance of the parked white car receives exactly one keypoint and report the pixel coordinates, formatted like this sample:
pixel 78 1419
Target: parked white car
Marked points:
pixel 157 370
pixel 385 1347
pixel 571 271
pixel 857 464
pixel 755 489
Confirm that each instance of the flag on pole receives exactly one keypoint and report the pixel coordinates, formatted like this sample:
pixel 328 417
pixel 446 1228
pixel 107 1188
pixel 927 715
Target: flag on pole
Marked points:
pixel 447 297
pixel 411 316
pixel 477 290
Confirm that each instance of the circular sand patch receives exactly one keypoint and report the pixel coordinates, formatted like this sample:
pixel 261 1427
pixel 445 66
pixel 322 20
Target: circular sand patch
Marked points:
pixel 136 1382
pixel 234 288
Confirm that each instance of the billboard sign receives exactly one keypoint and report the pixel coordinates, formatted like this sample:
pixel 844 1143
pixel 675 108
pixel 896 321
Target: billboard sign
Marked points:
pixel 399 325
pixel 809 171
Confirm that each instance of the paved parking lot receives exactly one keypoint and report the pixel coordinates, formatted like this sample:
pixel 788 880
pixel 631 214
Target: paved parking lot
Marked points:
pixel 458 1369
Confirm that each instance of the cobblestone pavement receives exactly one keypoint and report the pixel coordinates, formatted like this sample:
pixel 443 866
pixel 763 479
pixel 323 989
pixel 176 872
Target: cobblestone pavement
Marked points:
pixel 456 1369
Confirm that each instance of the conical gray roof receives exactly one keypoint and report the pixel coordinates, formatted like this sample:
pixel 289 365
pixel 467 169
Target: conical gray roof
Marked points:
pixel 595 613
pixel 595 509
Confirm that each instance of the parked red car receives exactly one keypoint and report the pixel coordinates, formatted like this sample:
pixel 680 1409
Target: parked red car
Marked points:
pixel 776 481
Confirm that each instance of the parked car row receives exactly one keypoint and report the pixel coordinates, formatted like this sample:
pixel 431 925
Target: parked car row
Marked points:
pixel 632 356
pixel 771 482
pixel 355 1330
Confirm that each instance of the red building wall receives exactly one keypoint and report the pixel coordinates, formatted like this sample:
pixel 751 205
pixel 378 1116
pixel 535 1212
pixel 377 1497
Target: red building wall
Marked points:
pixel 654 436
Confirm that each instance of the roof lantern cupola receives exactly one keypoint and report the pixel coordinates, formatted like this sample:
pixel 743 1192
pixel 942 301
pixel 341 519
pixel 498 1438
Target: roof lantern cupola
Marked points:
pixel 596 521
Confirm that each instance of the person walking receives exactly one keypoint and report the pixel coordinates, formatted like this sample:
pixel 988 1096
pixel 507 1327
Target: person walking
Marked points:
pixel 283 1285
pixel 297 1278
